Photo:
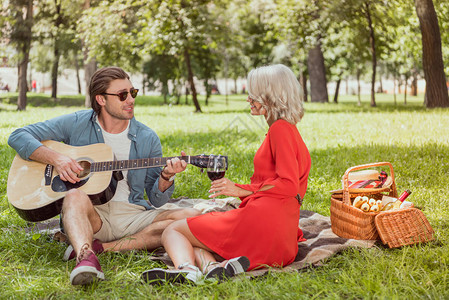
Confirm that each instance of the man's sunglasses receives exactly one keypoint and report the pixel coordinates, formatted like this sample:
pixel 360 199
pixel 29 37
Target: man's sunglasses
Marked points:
pixel 123 95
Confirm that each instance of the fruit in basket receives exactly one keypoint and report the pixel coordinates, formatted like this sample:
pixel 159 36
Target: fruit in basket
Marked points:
pixel 372 202
pixel 374 208
pixel 365 207
pixel 357 202
pixel 379 203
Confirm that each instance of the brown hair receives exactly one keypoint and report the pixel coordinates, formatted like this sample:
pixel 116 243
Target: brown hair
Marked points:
pixel 101 81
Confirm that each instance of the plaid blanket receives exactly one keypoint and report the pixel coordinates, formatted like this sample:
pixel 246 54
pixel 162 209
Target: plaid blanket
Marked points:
pixel 321 242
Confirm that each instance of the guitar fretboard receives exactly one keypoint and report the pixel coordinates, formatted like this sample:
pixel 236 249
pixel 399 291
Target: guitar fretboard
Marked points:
pixel 141 163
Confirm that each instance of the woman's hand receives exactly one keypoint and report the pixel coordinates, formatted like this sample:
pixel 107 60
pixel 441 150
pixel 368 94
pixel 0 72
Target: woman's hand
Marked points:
pixel 226 187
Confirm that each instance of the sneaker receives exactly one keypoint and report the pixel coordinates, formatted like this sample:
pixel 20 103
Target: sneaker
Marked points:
pixel 70 254
pixel 236 266
pixel 87 270
pixel 159 276
pixel 217 273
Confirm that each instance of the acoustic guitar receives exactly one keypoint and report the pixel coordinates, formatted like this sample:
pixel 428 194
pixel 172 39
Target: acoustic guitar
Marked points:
pixel 36 191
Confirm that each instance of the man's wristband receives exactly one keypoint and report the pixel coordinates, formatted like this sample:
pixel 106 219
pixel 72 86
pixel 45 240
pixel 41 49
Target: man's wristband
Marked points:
pixel 167 178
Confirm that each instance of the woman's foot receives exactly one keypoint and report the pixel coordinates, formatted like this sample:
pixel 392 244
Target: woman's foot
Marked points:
pixel 218 273
pixel 236 266
pixel 185 273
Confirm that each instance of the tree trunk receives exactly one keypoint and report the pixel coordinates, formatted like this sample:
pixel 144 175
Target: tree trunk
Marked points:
pixel 381 87
pixel 359 101
pixel 347 85
pixel 23 86
pixel 436 90
pixel 209 90
pixel 317 74
pixel 89 69
pixel 165 91
pixel 394 89
pixel 191 82
pixel 372 42
pixel 414 85
pixel 77 68
pixel 54 72
pixel 90 66
pixel 303 81
pixel 55 67
pixel 24 50
pixel 405 90
pixel 337 90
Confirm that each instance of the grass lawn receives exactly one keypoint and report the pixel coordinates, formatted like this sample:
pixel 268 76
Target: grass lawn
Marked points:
pixel 412 138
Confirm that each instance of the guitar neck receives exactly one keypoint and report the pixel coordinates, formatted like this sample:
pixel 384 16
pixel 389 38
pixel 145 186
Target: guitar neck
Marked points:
pixel 142 163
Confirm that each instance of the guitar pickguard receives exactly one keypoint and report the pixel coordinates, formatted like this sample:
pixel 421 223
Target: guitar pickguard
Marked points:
pixel 58 185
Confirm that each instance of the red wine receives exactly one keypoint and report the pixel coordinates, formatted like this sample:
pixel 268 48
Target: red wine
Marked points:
pixel 215 175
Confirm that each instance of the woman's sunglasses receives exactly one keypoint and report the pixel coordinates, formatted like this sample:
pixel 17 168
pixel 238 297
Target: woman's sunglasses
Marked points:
pixel 123 95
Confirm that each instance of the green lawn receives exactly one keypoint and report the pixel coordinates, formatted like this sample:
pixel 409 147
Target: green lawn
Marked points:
pixel 412 138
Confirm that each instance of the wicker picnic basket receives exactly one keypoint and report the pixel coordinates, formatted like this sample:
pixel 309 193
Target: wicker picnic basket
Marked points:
pixel 350 222
pixel 403 227
pixel 395 228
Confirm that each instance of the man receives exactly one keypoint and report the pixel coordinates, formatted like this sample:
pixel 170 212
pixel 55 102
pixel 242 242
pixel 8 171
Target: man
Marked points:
pixel 127 221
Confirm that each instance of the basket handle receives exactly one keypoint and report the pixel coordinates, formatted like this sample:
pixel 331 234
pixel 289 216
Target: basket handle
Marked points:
pixel 346 196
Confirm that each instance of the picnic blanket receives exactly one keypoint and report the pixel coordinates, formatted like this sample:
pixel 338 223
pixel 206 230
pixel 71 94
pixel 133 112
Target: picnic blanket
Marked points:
pixel 321 242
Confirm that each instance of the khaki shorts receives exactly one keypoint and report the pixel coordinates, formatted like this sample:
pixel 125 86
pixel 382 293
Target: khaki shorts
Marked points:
pixel 122 219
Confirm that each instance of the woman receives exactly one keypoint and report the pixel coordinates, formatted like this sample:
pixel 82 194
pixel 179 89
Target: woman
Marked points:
pixel 264 229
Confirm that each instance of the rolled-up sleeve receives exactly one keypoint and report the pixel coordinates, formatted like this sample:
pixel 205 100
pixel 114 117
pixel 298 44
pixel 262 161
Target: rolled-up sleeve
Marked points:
pixel 155 196
pixel 27 139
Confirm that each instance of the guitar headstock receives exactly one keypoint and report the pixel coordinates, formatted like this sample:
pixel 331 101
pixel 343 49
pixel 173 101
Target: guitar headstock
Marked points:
pixel 201 161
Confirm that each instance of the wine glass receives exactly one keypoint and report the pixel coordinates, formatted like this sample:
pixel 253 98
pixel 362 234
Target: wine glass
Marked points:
pixel 216 167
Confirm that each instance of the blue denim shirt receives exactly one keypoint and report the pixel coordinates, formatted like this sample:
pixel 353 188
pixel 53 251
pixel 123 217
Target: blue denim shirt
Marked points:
pixel 80 129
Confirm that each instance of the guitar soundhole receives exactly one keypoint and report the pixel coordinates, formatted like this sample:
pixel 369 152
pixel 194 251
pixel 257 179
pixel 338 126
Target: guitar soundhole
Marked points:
pixel 86 168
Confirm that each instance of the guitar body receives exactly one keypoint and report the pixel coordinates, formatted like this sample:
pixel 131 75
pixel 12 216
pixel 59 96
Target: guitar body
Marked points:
pixel 36 192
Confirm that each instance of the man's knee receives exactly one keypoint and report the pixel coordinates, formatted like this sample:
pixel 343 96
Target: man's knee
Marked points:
pixel 76 198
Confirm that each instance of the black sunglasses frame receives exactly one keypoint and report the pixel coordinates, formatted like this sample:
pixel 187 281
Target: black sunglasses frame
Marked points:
pixel 124 95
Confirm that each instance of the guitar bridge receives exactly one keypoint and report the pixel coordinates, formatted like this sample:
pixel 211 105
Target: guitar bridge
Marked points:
pixel 48 173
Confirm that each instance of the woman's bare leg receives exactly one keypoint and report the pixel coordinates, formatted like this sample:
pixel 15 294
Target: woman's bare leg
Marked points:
pixel 179 242
pixel 205 260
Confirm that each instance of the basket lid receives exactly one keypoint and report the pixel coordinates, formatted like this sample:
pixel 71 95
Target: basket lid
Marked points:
pixel 403 227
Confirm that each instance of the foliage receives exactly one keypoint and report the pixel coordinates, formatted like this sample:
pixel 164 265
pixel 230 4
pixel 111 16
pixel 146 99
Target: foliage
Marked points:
pixel 110 30
pixel 224 38
pixel 442 10
pixel 412 138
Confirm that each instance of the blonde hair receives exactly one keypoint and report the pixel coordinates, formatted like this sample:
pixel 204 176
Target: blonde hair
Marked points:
pixel 279 92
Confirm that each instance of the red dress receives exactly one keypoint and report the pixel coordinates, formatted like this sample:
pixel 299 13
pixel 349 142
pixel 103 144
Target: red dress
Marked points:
pixel 265 226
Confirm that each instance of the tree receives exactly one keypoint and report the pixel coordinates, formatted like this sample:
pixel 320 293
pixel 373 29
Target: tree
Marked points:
pixel 84 31
pixel 179 27
pixel 18 22
pixel 436 90
pixel 160 69
pixel 366 21
pixel 306 40
pixel 55 21
pixel 442 10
